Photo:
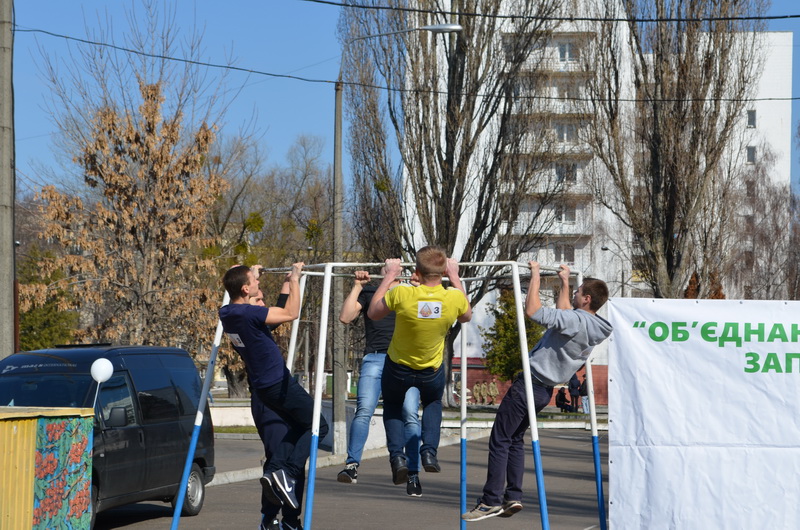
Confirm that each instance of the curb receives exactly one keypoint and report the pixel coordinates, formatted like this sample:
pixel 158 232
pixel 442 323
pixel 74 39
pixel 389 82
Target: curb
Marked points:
pixel 229 477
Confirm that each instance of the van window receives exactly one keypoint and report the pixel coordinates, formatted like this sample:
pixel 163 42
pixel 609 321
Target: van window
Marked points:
pixel 154 389
pixel 116 392
pixel 187 383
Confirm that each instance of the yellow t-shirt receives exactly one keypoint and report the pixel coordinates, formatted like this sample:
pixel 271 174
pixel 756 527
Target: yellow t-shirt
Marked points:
pixel 423 317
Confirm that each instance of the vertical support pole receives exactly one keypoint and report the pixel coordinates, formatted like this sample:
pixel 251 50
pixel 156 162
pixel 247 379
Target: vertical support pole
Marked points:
pixel 464 419
pixel 320 384
pixel 295 327
pixel 198 421
pixel 598 470
pixel 526 371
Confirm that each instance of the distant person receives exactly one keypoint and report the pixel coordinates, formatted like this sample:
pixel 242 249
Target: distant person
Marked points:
pixel 574 392
pixel 584 391
pixel 248 328
pixel 572 331
pixel 562 401
pixel 378 335
pixel 424 316
pixel 493 392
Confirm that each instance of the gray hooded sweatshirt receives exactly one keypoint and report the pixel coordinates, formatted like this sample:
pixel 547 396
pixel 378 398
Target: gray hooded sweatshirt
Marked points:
pixel 567 343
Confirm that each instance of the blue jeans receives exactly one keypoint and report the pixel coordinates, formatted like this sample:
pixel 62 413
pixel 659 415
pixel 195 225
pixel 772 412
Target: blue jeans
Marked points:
pixel 369 390
pixel 395 382
pixel 506 445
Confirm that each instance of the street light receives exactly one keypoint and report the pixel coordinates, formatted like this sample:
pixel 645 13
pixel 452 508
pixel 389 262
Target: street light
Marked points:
pixel 339 371
pixel 604 248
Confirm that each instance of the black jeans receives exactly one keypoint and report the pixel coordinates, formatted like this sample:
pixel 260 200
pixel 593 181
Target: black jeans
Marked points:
pixel 293 404
pixel 272 429
pixel 506 445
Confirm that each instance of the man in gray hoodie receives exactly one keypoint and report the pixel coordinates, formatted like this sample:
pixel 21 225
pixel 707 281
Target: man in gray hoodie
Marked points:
pixel 573 329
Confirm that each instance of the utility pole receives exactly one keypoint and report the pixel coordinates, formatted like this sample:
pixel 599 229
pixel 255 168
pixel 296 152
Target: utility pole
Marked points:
pixel 8 332
pixel 339 359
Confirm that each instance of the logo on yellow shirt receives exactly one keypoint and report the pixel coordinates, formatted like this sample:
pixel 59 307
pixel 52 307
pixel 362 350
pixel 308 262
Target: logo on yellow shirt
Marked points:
pixel 429 309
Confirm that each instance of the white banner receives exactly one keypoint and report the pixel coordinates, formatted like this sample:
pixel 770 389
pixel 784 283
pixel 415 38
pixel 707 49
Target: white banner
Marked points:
pixel 703 414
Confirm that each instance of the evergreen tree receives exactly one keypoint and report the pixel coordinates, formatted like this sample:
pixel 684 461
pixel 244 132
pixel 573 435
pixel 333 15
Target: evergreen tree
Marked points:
pixel 502 339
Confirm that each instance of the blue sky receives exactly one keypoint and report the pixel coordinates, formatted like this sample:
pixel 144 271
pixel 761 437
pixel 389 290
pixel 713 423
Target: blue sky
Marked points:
pixel 276 36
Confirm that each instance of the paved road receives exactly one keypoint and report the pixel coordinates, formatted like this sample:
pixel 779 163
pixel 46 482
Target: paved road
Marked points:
pixel 376 503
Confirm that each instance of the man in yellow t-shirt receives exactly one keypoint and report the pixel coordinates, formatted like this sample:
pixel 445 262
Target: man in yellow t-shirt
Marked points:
pixel 424 315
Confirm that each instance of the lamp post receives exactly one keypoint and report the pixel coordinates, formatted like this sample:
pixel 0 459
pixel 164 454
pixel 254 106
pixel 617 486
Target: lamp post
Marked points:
pixel 604 248
pixel 339 368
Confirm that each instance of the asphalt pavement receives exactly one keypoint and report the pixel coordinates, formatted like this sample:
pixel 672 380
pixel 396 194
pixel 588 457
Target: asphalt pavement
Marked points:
pixel 233 501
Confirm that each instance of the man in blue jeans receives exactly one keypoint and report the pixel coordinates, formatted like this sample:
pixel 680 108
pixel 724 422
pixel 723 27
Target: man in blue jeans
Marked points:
pixel 378 335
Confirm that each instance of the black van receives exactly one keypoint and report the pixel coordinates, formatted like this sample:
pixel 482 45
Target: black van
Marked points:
pixel 144 417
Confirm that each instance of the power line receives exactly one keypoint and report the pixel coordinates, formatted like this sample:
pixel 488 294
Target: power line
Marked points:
pixel 363 85
pixel 557 19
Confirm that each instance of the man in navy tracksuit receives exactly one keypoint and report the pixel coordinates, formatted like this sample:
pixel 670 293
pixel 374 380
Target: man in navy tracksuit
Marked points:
pixel 572 331
pixel 248 328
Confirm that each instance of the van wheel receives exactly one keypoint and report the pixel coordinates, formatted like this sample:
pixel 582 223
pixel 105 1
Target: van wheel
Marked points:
pixel 195 493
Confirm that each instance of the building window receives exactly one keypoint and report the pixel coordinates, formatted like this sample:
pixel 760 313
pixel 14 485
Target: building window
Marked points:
pixel 565 213
pixel 567 173
pixel 568 52
pixel 751 118
pixel 751 154
pixel 565 254
pixel 566 133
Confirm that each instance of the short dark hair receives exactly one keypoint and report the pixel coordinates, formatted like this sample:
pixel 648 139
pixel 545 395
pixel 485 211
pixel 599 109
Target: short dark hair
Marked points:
pixel 598 290
pixel 431 262
pixel 236 278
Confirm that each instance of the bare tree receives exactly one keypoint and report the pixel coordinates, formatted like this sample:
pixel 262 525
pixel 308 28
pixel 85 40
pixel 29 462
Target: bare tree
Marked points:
pixel 666 98
pixel 132 227
pixel 475 172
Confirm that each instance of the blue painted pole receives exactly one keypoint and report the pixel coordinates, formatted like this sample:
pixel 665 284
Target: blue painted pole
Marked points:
pixel 463 481
pixel 537 462
pixel 463 404
pixel 312 476
pixel 320 382
pixel 526 370
pixel 198 422
pixel 598 471
pixel 598 475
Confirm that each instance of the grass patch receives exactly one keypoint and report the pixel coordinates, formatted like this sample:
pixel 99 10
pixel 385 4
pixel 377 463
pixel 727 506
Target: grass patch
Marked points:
pixel 236 429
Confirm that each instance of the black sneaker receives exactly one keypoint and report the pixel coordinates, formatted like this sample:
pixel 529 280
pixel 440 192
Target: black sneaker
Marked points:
pixel 295 525
pixel 269 490
pixel 272 525
pixel 284 487
pixel 429 462
pixel 399 469
pixel 349 475
pixel 413 488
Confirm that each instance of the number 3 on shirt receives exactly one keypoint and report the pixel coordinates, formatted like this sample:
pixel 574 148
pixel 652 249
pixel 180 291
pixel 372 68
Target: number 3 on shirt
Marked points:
pixel 429 310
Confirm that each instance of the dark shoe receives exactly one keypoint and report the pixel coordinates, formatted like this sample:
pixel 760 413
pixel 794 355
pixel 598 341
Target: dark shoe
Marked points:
pixel 510 508
pixel 413 488
pixel 481 511
pixel 429 462
pixel 349 475
pixel 292 526
pixel 399 469
pixel 272 525
pixel 284 486
pixel 269 490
